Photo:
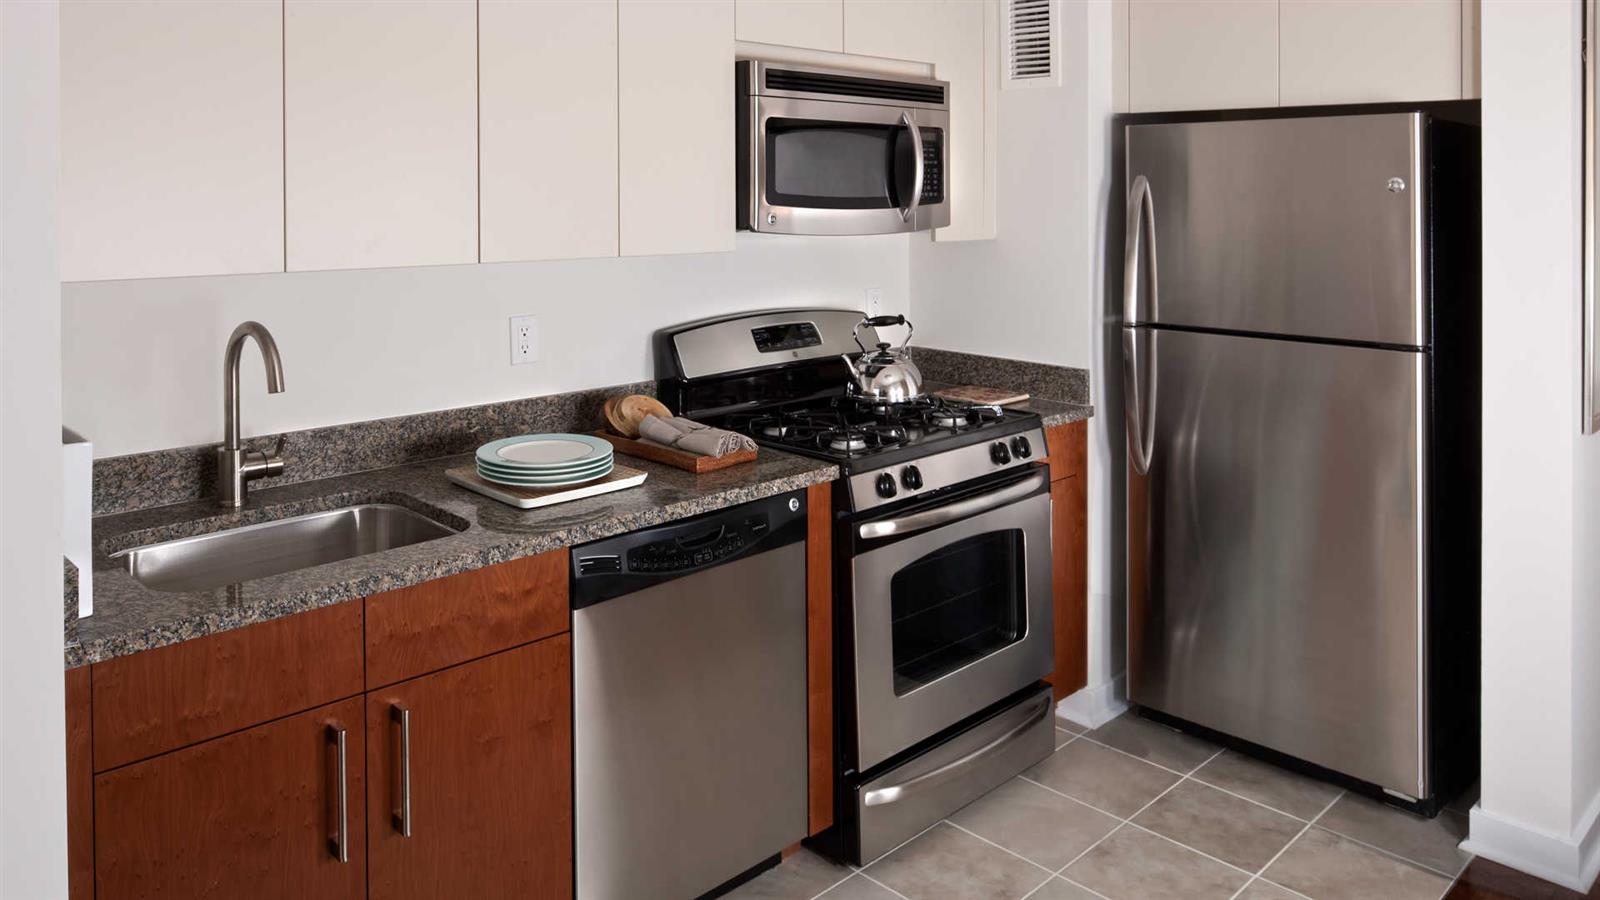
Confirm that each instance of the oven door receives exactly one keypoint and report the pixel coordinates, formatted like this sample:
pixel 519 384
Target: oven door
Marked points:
pixel 845 168
pixel 952 612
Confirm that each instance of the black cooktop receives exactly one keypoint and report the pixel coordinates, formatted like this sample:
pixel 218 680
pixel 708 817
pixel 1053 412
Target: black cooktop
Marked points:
pixel 860 434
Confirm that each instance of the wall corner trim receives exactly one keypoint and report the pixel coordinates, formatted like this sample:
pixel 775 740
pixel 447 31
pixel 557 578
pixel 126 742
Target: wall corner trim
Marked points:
pixel 1572 861
pixel 1095 705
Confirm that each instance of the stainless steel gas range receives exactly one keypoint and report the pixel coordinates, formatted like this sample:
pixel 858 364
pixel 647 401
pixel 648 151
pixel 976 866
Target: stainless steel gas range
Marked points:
pixel 941 564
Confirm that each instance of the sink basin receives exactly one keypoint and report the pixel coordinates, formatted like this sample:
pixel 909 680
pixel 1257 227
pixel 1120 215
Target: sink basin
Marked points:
pixel 228 557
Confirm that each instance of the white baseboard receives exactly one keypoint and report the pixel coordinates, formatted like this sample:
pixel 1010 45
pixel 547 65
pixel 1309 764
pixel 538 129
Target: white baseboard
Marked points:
pixel 1570 861
pixel 1094 705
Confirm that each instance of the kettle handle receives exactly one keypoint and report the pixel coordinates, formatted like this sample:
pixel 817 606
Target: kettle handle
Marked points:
pixel 882 322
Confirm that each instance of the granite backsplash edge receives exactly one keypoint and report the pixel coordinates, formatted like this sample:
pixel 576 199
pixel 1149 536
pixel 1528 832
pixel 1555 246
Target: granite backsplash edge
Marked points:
pixel 164 477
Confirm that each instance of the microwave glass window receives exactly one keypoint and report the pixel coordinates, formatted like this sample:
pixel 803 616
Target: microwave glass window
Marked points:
pixel 957 605
pixel 837 165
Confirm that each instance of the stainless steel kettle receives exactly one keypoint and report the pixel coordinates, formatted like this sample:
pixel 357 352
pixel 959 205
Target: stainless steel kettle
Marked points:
pixel 881 374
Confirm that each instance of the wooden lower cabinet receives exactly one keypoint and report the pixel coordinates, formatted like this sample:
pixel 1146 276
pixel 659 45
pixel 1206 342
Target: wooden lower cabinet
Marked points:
pixel 490 771
pixel 1069 529
pixel 251 814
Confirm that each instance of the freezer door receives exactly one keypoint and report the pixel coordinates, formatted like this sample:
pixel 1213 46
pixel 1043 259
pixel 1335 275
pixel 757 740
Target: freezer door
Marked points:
pixel 1310 227
pixel 1275 545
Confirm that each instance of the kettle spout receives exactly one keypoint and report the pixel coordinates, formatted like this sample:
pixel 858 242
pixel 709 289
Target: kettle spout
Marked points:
pixel 851 365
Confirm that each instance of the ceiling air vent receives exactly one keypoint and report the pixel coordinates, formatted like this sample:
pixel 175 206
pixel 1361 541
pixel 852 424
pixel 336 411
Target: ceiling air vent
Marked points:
pixel 1030 43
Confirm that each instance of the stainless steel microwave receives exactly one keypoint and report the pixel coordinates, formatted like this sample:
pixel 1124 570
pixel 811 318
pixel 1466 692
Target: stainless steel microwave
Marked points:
pixel 831 151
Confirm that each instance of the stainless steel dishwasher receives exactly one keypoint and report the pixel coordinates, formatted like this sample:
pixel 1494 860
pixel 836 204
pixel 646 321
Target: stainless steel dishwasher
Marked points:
pixel 689 701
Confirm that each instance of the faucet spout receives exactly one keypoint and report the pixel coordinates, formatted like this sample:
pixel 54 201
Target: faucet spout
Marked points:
pixel 235 465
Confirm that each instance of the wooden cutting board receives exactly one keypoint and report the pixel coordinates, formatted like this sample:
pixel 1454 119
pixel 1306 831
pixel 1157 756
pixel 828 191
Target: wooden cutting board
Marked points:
pixel 973 393
pixel 672 456
pixel 621 478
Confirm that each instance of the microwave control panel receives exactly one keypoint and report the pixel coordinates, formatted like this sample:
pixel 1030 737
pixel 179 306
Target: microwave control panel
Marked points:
pixel 932 169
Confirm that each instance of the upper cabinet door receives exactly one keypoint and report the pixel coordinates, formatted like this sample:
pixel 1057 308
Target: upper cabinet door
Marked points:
pixel 171 138
pixel 547 102
pixel 956 36
pixel 817 24
pixel 380 136
pixel 675 112
pixel 1203 54
pixel 1370 51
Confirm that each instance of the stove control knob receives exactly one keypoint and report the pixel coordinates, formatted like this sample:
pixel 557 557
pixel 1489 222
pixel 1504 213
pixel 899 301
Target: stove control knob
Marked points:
pixel 1020 448
pixel 886 487
pixel 999 453
pixel 911 477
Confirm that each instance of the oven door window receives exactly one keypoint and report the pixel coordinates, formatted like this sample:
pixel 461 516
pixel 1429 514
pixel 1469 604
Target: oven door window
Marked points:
pixel 838 165
pixel 957 605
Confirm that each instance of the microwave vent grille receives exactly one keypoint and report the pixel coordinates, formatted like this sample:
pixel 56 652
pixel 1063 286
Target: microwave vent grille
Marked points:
pixel 853 86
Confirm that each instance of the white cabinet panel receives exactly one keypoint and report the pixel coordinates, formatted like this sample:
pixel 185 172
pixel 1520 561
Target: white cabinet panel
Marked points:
pixel 171 138
pixel 380 139
pixel 1202 54
pixel 675 121
pixel 959 38
pixel 817 24
pixel 1369 51
pixel 547 100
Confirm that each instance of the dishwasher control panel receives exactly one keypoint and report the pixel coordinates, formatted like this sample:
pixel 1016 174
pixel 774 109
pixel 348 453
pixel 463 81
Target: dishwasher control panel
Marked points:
pixel 693 551
pixel 618 565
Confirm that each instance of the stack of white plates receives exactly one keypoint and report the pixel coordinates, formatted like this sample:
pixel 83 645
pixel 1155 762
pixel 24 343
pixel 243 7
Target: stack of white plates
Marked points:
pixel 545 460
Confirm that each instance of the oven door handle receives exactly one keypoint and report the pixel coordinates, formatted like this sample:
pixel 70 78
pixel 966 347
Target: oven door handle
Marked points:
pixel 894 792
pixel 958 510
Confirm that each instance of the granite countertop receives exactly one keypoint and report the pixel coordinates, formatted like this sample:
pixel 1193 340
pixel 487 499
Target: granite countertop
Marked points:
pixel 129 617
pixel 1054 412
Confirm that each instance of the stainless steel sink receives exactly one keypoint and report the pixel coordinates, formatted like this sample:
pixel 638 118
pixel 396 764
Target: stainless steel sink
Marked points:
pixel 271 548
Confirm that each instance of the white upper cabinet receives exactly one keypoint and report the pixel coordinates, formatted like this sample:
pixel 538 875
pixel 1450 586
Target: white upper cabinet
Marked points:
pixel 814 24
pixel 547 100
pixel 171 138
pixel 1370 51
pixel 675 122
pixel 959 38
pixel 380 137
pixel 1202 54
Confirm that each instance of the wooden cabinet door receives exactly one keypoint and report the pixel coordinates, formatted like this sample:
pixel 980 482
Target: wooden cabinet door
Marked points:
pixel 171 138
pixel 253 814
pixel 380 133
pixel 817 24
pixel 675 123
pixel 487 748
pixel 1202 54
pixel 1369 51
pixel 959 38
pixel 547 125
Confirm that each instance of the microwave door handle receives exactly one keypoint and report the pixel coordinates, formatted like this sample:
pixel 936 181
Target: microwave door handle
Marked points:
pixel 917 170
pixel 957 510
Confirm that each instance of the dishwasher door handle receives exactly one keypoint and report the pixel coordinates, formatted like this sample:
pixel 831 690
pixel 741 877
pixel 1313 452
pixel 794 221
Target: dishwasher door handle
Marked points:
pixel 894 792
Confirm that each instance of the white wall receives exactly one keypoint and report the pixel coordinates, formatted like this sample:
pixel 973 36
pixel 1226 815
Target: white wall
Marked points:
pixel 143 358
pixel 1035 291
pixel 1541 492
pixel 33 856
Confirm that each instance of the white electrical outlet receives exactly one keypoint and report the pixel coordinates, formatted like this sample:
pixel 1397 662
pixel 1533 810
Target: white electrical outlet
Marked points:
pixel 874 301
pixel 524 340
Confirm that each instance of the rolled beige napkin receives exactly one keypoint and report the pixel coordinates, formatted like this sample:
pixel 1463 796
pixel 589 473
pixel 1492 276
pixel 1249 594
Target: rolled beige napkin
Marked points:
pixel 687 434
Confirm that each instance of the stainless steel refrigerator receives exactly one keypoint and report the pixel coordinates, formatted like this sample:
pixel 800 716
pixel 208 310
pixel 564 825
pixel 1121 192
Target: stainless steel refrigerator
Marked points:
pixel 1299 340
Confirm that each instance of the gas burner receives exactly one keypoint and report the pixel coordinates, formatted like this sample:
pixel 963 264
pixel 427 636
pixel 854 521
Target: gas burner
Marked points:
pixel 847 442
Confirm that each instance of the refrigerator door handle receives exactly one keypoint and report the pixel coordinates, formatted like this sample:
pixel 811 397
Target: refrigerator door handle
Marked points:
pixel 1141 209
pixel 1139 396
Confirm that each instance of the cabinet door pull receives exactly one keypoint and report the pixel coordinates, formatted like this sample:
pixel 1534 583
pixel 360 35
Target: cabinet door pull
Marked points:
pixel 402 817
pixel 340 844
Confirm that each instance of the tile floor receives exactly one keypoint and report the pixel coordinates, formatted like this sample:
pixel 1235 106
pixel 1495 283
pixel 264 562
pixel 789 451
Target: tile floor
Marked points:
pixel 1136 811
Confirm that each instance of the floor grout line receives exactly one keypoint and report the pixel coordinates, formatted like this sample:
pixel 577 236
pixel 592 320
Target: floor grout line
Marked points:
pixel 1389 853
pixel 884 886
pixel 999 847
pixel 834 885
pixel 1261 872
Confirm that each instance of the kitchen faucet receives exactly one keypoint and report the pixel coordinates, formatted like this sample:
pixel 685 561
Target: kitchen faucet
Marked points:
pixel 237 466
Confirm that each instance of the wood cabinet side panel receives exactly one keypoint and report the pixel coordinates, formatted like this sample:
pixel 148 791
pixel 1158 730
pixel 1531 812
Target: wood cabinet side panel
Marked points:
pixel 252 814
pixel 151 702
pixel 491 779
pixel 80 786
pixel 1068 447
pixel 819 655
pixel 1069 584
pixel 440 623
